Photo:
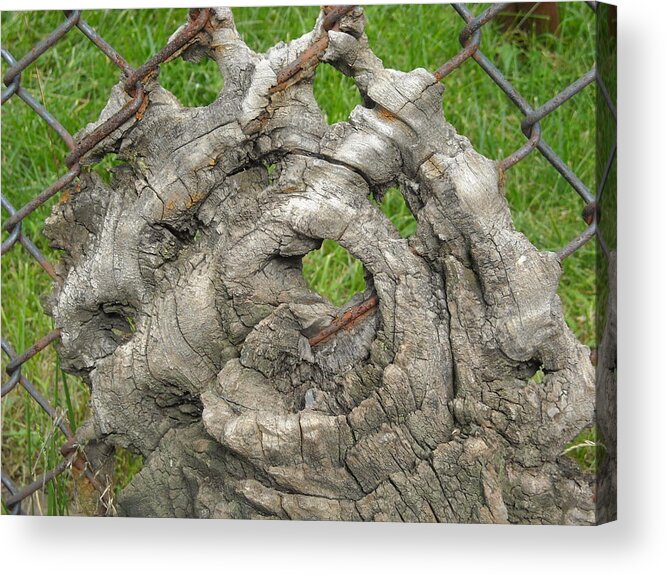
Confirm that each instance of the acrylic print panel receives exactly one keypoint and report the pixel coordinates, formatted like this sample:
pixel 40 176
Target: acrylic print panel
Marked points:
pixel 340 263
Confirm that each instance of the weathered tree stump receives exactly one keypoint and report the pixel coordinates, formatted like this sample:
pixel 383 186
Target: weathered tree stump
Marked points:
pixel 446 393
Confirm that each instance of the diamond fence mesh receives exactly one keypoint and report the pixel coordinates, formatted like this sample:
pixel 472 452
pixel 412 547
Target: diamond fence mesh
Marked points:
pixel 71 456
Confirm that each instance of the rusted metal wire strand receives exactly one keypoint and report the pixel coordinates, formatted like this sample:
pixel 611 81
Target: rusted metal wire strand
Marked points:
pixel 345 320
pixel 551 105
pixel 33 350
pixel 38 200
pixel 71 446
pixel 42 47
pixel 186 35
pixel 17 234
pixel 14 87
pixel 40 483
pixel 106 48
pixel 102 131
pixel 12 79
pixel 606 94
pixel 35 394
pixel 578 242
pixel 8 484
pixel 470 38
pixel 16 374
pixel 13 237
pixel 530 129
pixel 606 173
pixel 310 56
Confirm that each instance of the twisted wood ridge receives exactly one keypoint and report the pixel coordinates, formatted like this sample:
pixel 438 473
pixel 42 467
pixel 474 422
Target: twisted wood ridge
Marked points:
pixel 185 308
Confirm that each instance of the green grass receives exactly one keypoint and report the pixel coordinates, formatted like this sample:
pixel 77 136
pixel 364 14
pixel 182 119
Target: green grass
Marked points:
pixel 587 449
pixel 74 79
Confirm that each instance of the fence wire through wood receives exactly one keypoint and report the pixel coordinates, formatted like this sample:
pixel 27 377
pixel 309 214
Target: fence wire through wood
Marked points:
pixel 72 455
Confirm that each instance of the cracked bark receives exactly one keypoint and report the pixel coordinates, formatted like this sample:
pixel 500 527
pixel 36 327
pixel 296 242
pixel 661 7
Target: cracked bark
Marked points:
pixel 184 306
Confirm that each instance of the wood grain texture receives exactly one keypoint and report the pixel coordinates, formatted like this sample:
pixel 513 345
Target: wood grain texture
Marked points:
pixel 185 308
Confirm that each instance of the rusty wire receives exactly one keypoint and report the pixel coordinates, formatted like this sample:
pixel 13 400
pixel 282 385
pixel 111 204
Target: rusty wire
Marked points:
pixel 72 456
pixel 133 82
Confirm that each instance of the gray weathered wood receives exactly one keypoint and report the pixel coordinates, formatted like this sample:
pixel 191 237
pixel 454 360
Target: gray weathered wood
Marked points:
pixel 185 308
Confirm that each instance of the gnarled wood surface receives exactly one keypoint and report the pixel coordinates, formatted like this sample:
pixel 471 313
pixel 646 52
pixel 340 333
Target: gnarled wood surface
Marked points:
pixel 448 397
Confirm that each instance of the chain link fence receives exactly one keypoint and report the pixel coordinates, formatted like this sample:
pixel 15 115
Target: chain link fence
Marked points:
pixel 72 455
